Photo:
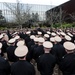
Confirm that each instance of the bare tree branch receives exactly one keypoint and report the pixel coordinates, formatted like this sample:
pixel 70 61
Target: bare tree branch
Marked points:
pixel 17 9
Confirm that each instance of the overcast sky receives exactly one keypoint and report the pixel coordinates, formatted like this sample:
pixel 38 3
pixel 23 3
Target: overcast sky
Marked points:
pixel 43 2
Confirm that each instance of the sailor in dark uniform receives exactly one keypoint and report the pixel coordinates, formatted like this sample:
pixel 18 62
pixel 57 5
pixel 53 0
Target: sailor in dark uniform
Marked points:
pixel 32 50
pixel 9 35
pixel 46 37
pixel 58 50
pixel 72 36
pixel 39 34
pixel 62 35
pixel 67 64
pixel 4 44
pixel 27 38
pixel 4 65
pixel 38 50
pixel 22 67
pixel 10 51
pixel 49 33
pixel 22 35
pixel 52 40
pixel 47 61
pixel 68 38
pixel 31 42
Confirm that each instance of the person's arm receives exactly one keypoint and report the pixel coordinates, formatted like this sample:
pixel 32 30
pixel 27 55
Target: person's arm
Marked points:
pixel 7 68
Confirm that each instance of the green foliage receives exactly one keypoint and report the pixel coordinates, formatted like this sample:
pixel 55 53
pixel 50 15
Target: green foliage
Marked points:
pixel 57 25
pixel 64 25
pixel 73 25
pixel 3 28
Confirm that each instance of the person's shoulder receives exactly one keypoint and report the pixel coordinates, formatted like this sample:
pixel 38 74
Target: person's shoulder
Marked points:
pixel 29 64
pixel 15 63
pixel 53 56
pixel 3 60
pixel 43 56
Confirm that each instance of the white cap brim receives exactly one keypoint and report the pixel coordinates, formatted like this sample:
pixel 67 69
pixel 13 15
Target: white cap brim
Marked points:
pixel 67 37
pixel 21 43
pixel 57 39
pixel 16 37
pixel 69 45
pixel 1 36
pixel 47 44
pixel 52 39
pixel 53 34
pixel 11 41
pixel 32 37
pixel 0 45
pixel 46 35
pixel 21 51
pixel 39 33
pixel 41 40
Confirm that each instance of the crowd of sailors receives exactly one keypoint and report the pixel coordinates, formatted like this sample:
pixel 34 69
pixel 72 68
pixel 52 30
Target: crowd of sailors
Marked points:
pixel 21 50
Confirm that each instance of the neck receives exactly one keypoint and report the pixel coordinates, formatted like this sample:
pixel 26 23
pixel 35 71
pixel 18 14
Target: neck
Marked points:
pixel 47 52
pixel 69 52
pixel 40 44
pixel 22 58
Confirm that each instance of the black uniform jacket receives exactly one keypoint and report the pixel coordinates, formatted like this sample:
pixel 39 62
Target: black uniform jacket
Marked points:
pixel 10 54
pixel 46 63
pixel 4 67
pixel 22 67
pixel 67 64
pixel 30 44
pixel 59 51
pixel 30 54
pixel 38 51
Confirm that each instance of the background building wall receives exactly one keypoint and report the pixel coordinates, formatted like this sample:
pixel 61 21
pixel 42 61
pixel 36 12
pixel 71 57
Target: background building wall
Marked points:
pixel 68 9
pixel 40 9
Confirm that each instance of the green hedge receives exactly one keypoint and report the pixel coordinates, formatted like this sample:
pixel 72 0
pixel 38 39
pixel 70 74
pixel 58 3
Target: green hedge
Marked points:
pixel 57 25
pixel 64 25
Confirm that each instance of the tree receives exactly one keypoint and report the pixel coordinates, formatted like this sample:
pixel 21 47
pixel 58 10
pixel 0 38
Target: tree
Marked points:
pixel 35 17
pixel 21 16
pixel 72 16
pixel 55 15
pixel 2 18
pixel 52 17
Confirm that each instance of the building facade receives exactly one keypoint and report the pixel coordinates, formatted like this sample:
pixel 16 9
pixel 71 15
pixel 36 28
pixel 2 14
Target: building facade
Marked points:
pixel 7 7
pixel 66 9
